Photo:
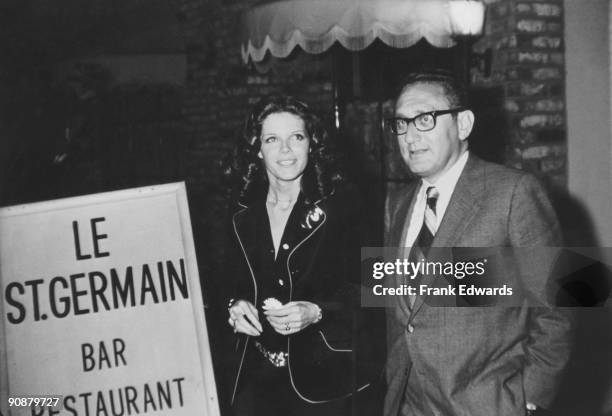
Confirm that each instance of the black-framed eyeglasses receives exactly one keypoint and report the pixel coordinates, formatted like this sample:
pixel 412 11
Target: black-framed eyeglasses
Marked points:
pixel 422 122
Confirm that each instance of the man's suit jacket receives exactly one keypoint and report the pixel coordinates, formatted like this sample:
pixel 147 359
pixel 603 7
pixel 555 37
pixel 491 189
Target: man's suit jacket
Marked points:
pixel 477 360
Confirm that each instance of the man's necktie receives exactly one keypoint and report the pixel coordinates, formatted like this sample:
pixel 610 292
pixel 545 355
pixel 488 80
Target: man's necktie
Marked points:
pixel 422 244
pixel 430 223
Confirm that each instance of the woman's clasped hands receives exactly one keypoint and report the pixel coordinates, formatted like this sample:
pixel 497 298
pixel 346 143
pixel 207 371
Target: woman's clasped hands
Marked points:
pixel 285 319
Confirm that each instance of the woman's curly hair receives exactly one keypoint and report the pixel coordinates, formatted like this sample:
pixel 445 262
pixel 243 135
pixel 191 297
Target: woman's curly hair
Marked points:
pixel 246 172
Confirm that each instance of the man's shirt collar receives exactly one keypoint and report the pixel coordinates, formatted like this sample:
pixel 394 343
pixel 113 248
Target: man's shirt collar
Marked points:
pixel 446 183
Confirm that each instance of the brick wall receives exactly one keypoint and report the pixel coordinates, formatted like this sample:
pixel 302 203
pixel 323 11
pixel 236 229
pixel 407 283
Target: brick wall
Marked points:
pixel 528 65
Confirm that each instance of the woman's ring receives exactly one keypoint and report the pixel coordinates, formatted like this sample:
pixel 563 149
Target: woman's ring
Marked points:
pixel 287 327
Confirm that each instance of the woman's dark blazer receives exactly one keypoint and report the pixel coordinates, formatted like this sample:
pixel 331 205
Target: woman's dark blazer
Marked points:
pixel 323 268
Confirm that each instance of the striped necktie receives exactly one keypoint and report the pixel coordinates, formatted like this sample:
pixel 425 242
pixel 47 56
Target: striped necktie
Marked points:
pixel 430 222
pixel 422 244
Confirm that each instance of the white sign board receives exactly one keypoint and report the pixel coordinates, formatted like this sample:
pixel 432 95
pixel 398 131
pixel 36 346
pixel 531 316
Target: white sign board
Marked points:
pixel 101 306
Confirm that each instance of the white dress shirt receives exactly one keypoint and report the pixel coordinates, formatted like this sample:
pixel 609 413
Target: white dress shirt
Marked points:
pixel 445 186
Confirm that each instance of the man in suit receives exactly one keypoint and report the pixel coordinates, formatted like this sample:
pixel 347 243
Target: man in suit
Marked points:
pixel 489 361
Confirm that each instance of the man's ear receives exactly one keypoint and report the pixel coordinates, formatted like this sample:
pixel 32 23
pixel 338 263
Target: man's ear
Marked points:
pixel 465 123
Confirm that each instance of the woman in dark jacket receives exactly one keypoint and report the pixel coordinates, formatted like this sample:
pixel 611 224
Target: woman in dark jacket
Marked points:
pixel 294 267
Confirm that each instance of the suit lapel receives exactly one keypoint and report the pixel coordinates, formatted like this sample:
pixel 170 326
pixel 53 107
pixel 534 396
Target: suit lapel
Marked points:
pixel 245 227
pixel 463 206
pixel 302 222
pixel 307 221
pixel 402 206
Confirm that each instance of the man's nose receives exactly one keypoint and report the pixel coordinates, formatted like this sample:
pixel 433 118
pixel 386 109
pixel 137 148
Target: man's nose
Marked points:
pixel 412 135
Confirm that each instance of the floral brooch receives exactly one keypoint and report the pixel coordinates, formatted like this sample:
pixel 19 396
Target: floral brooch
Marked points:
pixel 313 217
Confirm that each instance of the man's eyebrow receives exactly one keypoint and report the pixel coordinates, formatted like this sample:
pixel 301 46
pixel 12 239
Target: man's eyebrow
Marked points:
pixel 416 113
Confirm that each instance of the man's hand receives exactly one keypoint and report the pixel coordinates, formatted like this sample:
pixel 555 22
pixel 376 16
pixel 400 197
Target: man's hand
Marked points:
pixel 244 318
pixel 293 316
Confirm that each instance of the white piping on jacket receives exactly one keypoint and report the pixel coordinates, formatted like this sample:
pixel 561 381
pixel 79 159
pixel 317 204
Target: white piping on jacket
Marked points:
pixel 246 342
pixel 330 347
pixel 289 337
pixel 290 298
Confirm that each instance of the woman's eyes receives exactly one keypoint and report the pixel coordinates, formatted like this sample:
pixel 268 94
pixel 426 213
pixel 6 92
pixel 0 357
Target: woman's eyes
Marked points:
pixel 270 139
